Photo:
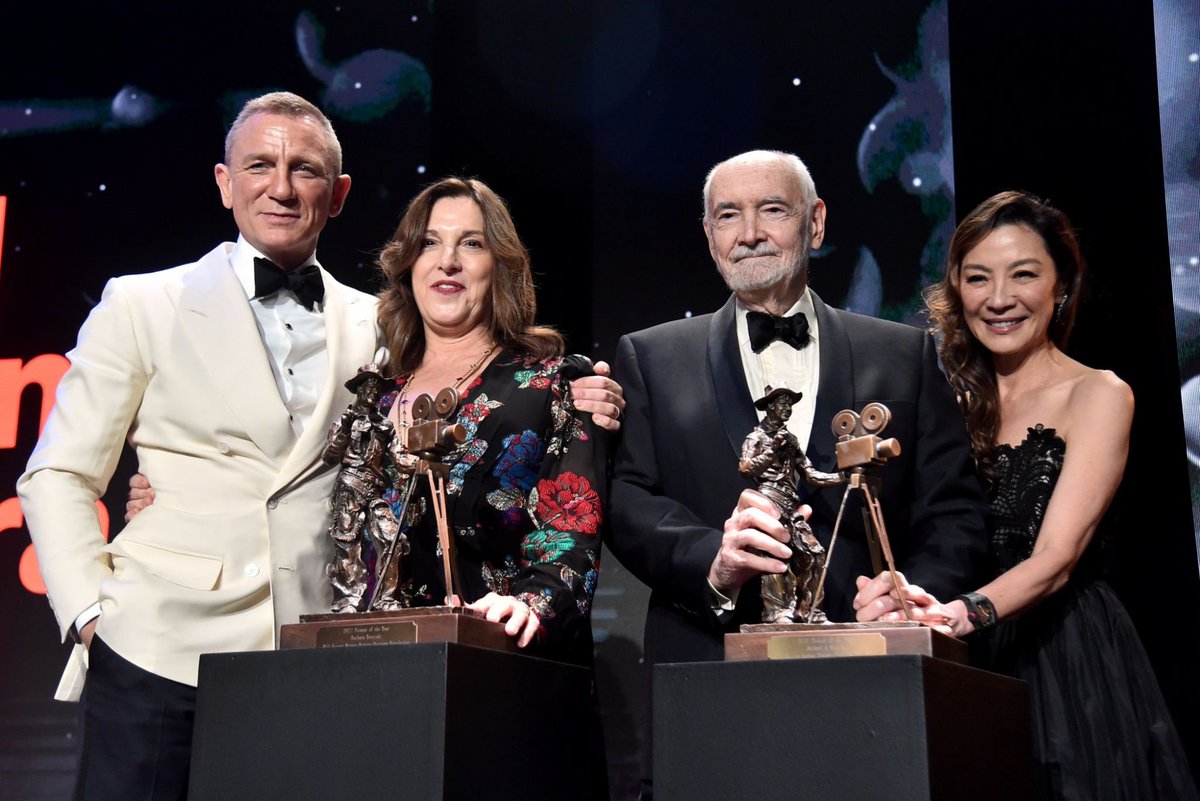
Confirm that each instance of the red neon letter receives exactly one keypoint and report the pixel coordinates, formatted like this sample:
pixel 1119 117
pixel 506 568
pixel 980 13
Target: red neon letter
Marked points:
pixel 45 371
pixel 27 569
pixel 3 207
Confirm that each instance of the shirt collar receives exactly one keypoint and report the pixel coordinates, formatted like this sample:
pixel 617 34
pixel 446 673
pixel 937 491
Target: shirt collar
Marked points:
pixel 242 257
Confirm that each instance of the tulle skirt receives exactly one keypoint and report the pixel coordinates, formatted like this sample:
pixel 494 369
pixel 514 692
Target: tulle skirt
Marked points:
pixel 1101 729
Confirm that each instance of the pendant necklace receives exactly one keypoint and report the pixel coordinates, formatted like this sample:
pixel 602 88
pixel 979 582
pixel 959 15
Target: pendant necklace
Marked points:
pixel 470 371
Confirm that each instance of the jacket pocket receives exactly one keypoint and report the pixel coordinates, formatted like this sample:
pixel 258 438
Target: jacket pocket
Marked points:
pixel 197 571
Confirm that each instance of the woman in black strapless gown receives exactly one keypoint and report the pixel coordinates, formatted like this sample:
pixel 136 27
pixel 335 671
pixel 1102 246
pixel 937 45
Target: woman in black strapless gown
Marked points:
pixel 1100 725
pixel 1050 437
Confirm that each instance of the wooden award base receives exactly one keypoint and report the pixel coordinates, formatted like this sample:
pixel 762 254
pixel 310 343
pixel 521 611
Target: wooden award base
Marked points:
pixel 425 624
pixel 815 640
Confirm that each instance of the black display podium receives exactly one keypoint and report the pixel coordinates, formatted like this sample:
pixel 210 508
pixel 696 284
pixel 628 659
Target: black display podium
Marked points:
pixel 416 721
pixel 901 728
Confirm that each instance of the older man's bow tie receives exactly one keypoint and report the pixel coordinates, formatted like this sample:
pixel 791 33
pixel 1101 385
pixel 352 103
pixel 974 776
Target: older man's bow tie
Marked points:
pixel 304 281
pixel 764 328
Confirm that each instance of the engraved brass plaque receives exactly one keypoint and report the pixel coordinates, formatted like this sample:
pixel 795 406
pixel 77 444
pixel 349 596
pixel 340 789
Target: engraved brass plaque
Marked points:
pixel 381 633
pixel 817 646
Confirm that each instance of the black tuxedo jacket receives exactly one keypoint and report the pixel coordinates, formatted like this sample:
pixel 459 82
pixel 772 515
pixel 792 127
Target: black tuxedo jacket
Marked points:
pixel 675 476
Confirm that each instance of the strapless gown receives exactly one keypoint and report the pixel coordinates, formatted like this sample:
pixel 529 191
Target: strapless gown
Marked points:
pixel 1101 728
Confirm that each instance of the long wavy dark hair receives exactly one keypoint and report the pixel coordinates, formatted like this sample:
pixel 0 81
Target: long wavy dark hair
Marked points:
pixel 967 363
pixel 513 300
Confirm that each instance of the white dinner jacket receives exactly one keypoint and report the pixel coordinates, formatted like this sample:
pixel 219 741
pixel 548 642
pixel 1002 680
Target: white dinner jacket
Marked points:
pixel 235 543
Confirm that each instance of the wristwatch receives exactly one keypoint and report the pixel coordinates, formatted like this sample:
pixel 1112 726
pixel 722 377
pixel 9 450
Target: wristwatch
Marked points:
pixel 980 610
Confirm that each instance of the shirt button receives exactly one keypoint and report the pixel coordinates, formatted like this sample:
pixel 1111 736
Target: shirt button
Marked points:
pixel 223 447
pixel 288 326
pixel 272 504
pixel 251 570
pixel 291 371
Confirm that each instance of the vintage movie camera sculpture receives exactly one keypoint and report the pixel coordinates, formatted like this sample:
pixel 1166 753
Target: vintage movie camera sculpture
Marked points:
pixel 860 450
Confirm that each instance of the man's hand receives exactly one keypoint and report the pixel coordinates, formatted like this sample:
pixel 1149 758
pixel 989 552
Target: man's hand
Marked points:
pixel 523 622
pixel 141 495
pixel 87 632
pixel 601 396
pixel 753 543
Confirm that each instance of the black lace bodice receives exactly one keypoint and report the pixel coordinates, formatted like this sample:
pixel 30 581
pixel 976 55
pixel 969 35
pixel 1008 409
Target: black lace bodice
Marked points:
pixel 1026 474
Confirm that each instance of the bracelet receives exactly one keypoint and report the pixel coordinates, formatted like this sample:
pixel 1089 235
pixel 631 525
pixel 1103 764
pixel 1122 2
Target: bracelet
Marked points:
pixel 980 611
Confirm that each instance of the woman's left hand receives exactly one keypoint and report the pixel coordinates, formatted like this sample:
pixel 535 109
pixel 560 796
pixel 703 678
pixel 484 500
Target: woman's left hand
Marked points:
pixel 601 396
pixel 522 622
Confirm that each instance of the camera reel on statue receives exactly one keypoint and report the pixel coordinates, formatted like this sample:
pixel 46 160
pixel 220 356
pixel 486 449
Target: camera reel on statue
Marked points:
pixel 860 448
pixel 859 445
pixel 431 436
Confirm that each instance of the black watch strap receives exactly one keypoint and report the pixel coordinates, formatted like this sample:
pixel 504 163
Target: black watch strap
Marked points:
pixel 980 610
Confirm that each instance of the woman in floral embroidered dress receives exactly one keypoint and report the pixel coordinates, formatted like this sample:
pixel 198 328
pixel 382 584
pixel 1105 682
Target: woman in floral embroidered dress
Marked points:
pixel 525 489
pixel 1050 437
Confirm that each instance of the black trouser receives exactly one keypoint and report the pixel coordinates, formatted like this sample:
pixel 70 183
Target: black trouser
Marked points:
pixel 136 742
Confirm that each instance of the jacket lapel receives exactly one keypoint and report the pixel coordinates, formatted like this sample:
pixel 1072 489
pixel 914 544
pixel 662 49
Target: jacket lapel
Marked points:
pixel 216 319
pixel 734 404
pixel 836 389
pixel 350 338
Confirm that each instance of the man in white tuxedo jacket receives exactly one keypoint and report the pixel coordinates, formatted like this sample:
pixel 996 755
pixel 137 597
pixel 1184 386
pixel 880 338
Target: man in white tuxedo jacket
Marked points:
pixel 225 391
pixel 224 375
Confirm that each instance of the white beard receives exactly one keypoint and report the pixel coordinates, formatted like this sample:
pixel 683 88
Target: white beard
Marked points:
pixel 755 274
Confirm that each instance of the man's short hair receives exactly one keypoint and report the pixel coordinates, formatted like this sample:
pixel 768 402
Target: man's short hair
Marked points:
pixel 286 104
pixel 808 189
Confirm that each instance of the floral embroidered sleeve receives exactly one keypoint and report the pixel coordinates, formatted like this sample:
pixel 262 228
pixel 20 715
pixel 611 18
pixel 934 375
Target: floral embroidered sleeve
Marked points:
pixel 560 556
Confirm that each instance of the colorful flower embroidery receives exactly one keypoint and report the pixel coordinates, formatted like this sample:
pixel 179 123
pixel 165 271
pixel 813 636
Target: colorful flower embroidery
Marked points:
pixel 541 604
pixel 518 466
pixel 589 591
pixel 537 377
pixel 547 545
pixel 517 469
pixel 472 414
pixel 499 578
pixel 467 455
pixel 568 503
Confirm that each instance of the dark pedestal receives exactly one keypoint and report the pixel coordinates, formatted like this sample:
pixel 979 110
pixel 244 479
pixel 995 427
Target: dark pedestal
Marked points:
pixel 902 728
pixel 422 722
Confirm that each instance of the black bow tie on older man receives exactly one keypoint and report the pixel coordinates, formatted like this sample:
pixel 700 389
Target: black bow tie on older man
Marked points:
pixel 304 281
pixel 764 328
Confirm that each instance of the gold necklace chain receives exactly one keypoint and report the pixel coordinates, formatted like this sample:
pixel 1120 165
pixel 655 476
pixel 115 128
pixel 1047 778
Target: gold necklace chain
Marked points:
pixel 470 371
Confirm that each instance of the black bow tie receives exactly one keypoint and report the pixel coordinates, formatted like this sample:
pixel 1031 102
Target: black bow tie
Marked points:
pixel 764 328
pixel 304 281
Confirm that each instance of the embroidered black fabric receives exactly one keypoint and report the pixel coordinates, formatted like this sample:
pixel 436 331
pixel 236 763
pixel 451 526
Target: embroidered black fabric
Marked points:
pixel 1101 728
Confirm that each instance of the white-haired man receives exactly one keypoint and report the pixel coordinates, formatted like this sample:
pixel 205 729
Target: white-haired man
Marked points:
pixel 684 520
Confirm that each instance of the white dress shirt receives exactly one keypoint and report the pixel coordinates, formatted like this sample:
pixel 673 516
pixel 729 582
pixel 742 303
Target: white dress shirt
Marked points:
pixel 293 335
pixel 779 364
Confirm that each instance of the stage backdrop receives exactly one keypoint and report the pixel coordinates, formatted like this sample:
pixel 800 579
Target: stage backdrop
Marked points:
pixel 597 121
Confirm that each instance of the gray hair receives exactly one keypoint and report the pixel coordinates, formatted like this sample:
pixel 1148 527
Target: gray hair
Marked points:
pixel 287 104
pixel 808 189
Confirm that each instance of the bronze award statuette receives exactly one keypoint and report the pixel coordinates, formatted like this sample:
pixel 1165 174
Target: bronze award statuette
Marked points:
pixel 369 610
pixel 794 626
